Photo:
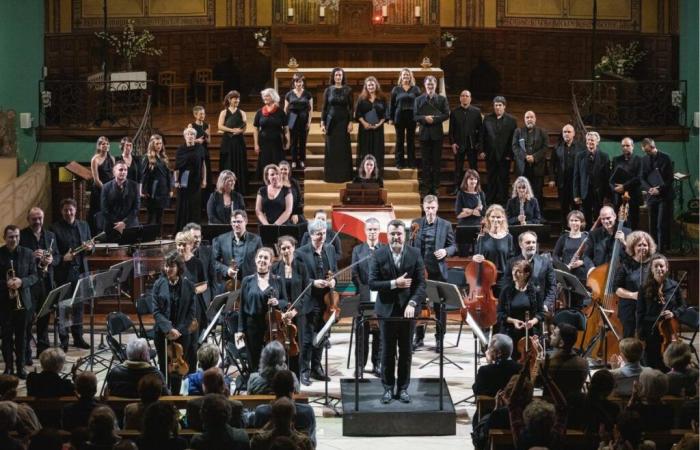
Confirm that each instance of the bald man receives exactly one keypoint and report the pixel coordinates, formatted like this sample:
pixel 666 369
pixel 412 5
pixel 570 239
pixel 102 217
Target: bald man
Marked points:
pixel 465 125
pixel 529 152
pixel 602 239
pixel 562 164
pixel 631 167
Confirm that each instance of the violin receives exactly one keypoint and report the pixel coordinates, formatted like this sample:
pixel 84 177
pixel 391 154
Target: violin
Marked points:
pixel 480 303
pixel 277 326
pixel 232 283
pixel 530 350
pixel 415 229
pixel 176 361
pixel 669 329
pixel 332 301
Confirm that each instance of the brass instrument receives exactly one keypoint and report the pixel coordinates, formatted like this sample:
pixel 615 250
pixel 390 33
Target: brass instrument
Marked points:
pixel 14 293
pixel 88 243
pixel 43 265
pixel 522 212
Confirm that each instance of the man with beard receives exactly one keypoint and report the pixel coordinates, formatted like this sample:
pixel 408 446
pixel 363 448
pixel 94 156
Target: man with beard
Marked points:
pixel 542 278
pixel 237 245
pixel 496 141
pixel 630 165
pixel 563 159
pixel 529 152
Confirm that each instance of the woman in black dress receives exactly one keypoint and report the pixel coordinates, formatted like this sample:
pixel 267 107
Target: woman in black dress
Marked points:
pixel 496 245
pixel 298 105
pixel 101 166
pixel 259 292
pixel 157 181
pixel 203 135
pixel 657 289
pixel 224 199
pixel 630 277
pixel 190 176
pixel 370 112
pixel 291 183
pixel 270 132
pixel 471 201
pixel 517 299
pixel 401 115
pixel 133 164
pixel 367 171
pixel 567 245
pixel 522 207
pixel 232 123
pixel 336 124
pixel 273 205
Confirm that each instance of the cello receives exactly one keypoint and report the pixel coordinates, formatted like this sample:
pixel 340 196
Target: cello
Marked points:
pixel 604 301
pixel 480 302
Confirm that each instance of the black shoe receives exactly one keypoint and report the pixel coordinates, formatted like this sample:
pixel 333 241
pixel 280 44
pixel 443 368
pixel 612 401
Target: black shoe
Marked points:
pixel 64 347
pixel 388 396
pixel 28 362
pixel 21 373
pixel 417 344
pixel 319 374
pixel 376 372
pixel 80 343
pixel 399 165
pixel 8 370
pixel 404 397
pixel 305 379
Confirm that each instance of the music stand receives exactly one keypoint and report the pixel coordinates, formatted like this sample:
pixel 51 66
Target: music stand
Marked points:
pixel 213 230
pixel 139 234
pixel 440 292
pixel 214 310
pixel 322 338
pixel 270 233
pixel 102 284
pixel 52 298
pixel 125 270
pixel 466 235
pixel 572 285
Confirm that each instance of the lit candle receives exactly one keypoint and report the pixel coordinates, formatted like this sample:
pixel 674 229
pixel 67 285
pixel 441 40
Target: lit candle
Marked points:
pixel 417 11
pixel 385 12
pixel 322 11
pixel 290 12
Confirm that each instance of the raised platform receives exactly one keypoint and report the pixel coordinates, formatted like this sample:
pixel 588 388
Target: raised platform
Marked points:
pixel 421 417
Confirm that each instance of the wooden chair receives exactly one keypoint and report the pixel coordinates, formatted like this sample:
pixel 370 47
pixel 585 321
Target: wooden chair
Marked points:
pixel 167 81
pixel 204 78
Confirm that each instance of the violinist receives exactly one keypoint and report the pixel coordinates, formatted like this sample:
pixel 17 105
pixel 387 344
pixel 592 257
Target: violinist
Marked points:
pixel 630 276
pixel 294 277
pixel 321 215
pixel 239 245
pixel 657 290
pixel 522 207
pixel 204 253
pixel 566 247
pixel 436 242
pixel 496 245
pixel 517 298
pixel 173 303
pixel 318 258
pixel 543 279
pixel 603 238
pixel 259 292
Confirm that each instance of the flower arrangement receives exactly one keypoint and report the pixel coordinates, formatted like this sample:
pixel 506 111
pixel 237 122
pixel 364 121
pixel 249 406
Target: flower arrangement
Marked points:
pixel 619 59
pixel 448 37
pixel 129 45
pixel 262 36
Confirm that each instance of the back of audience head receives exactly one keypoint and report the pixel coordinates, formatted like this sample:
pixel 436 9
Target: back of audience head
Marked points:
pixel 86 385
pixel 46 439
pixel 602 384
pixel 690 441
pixel 539 417
pixel 567 336
pixel 101 424
pixel 527 389
pixel 678 356
pixel 137 350
pixel 213 382
pixel 125 444
pixel 283 412
pixel 283 443
pixel 283 384
pixel 208 356
pixel 8 416
pixel 653 384
pixel 272 360
pixel 631 350
pixel 500 347
pixel 8 386
pixel 216 411
pixel 159 421
pixel 629 427
pixel 52 360
pixel 150 388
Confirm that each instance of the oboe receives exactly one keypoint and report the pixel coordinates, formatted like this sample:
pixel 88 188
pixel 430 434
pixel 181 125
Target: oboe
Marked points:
pixel 522 212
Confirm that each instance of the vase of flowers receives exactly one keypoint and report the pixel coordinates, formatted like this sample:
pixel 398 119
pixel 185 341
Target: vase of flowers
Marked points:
pixel 262 36
pixel 619 60
pixel 128 45
pixel 448 39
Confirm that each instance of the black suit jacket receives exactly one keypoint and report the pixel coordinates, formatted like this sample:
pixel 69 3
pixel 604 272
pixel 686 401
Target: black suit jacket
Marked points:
pixel 161 303
pixel 120 205
pixel 498 144
pixel 360 272
pixel 47 238
pixel 204 253
pixel 300 280
pixel 634 168
pixel 665 167
pixel 217 212
pixel 601 175
pixel 305 255
pixel 25 269
pixel 62 230
pixel 465 126
pixel 558 163
pixel 431 131
pixel 444 238
pixel 542 279
pixel 330 236
pixel 600 245
pixel 383 270
pixel 223 255
pixel 493 377
pixel 538 150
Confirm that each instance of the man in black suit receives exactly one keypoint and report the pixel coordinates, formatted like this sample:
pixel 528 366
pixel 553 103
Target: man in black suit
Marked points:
pixel 591 176
pixel 657 180
pixel 496 145
pixel 321 215
pixel 629 167
pixel 542 278
pixel 204 253
pixel 435 241
pixel 119 203
pixel 15 298
pixel 602 239
pixel 430 110
pixel 529 152
pixel 42 243
pixel 494 376
pixel 319 258
pixel 465 126
pixel 239 245
pixel 71 233
pixel 396 273
pixel 360 278
pixel 562 164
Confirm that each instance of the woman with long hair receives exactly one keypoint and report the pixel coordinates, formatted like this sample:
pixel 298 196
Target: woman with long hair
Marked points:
pixel 156 180
pixel 522 207
pixel 101 166
pixel 496 245
pixel 368 171
pixel 370 111
pixel 299 107
pixel 470 203
pixel 403 95
pixel 336 124
pixel 270 132
pixel 224 199
pixel 232 124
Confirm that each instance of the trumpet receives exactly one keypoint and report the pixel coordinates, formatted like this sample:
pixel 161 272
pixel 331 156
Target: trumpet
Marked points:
pixel 14 293
pixel 88 243
pixel 43 264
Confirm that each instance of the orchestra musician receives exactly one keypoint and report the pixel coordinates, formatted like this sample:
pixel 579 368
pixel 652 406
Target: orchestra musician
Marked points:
pixel 656 291
pixel 367 172
pixel 16 280
pixel 319 258
pixel 71 234
pixel 360 278
pixel 204 253
pixel 42 243
pixel 602 238
pixel 496 245
pixel 562 166
pixel 430 110
pixel 120 202
pixel 657 180
pixel 397 274
pixel 529 152
pixel 465 126
pixel 630 276
pixel 260 291
pixel 496 146
pixel 541 277
pixel 237 245
pixel 321 215
pixel 631 164
pixel 435 241
pixel 523 208
pixel 591 177
pixel 565 250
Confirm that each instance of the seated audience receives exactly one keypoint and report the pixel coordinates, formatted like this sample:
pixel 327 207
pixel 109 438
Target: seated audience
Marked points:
pixel 27 421
pixel 102 429
pixel 627 433
pixel 207 357
pixel 213 383
pixel 150 388
pixel 566 369
pixel 160 428
pixel 368 172
pixel 683 378
pixel 123 379
pixel 77 414
pixel 627 367
pixel 598 410
pixel 689 441
pixel 46 439
pixel 218 433
pixel 283 385
pixel 224 199
pixel 494 376
pixel 8 422
pixel 646 400
pixel 281 424
pixel 48 382
pixel 522 207
pixel 272 359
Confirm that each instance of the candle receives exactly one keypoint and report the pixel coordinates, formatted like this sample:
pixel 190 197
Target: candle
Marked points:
pixel 417 11
pixel 290 12
pixel 322 11
pixel 385 13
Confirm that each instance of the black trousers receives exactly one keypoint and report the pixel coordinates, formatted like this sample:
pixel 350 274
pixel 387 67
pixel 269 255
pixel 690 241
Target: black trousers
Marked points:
pixel 406 132
pixel 14 328
pixel 626 312
pixel 660 217
pixel 471 156
pixel 76 328
pixel 298 143
pixel 431 155
pixel 590 206
pixel 254 339
pixel 566 202
pixel 311 355
pixel 498 181
pixel 39 291
pixel 362 340
pixel 652 346
pixel 396 333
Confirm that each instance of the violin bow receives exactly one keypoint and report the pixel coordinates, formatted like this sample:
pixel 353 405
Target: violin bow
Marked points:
pixel 337 233
pixel 345 269
pixel 306 289
pixel 668 301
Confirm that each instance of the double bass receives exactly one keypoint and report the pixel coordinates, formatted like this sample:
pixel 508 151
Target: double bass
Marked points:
pixel 604 301
pixel 480 303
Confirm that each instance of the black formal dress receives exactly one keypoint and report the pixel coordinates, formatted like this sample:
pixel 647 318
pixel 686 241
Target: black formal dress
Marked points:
pixel 297 199
pixel 105 173
pixel 226 248
pixel 531 208
pixel 336 115
pixel 657 171
pixel 270 137
pixel 471 201
pixel 515 303
pixel 591 182
pixel 431 136
pixel 465 126
pixel 253 313
pixel 371 142
pixel 496 142
pixel 189 162
pixel 562 167
pixel 202 133
pixel 629 276
pixel 119 204
pixel 360 278
pixel 218 211
pixel 385 268
pixel 564 250
pixel 498 251
pixel 632 168
pixel 157 183
pixel 298 119
pixel 401 112
pixel 531 142
pixel 233 152
pixel 542 280
pixel 195 272
pixel 273 208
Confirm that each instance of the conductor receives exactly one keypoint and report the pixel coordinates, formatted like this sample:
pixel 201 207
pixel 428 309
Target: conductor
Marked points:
pixel 397 274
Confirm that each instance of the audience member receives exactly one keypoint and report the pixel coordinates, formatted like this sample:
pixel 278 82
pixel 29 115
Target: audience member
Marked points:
pixel 213 383
pixel 123 380
pixel 218 433
pixel 567 370
pixel 102 429
pixel 628 366
pixel 8 422
pixel 646 400
pixel 494 376
pixel 150 388
pixel 281 424
pixel 27 421
pixel 627 433
pixel 48 382
pixel 46 439
pixel 77 414
pixel 160 428
pixel 272 359
pixel 207 357
pixel 598 410
pixel 683 378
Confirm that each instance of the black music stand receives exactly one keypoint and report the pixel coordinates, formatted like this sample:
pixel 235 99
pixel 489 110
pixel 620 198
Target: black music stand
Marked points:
pixel 445 294
pixel 125 270
pixel 52 298
pixel 479 337
pixel 572 285
pixel 214 310
pixel 213 230
pixel 322 339
pixel 466 235
pixel 139 234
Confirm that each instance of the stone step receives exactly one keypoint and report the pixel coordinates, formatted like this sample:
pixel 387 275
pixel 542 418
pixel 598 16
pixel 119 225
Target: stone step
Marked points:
pixel 390 173
pixel 318 148
pixel 391 186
